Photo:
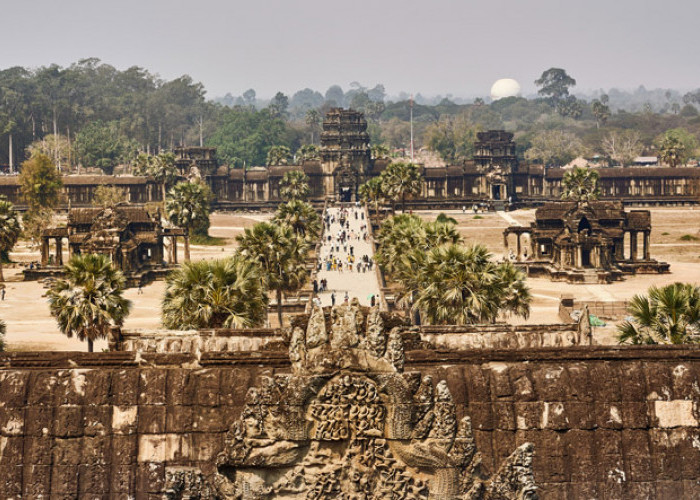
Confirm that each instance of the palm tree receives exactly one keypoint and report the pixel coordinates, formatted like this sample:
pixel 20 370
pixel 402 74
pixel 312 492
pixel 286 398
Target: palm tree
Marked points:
pixel 187 206
pixel 88 301
pixel 10 230
pixel 308 152
pixel 461 285
pixel 227 293
pixel 672 151
pixel 278 155
pixel 400 181
pixel 294 186
pixel 580 184
pixel 380 152
pixel 667 315
pixel 372 191
pixel 301 217
pixel 313 120
pixel 281 255
pixel 161 167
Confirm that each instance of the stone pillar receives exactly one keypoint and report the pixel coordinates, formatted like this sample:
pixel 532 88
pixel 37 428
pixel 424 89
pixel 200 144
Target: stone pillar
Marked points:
pixel 174 247
pixel 633 245
pixel 518 256
pixel 647 253
pixel 44 251
pixel 579 256
pixel 59 251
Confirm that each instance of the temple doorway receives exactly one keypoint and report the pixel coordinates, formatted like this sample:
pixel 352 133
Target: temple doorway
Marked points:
pixel 585 257
pixel 498 192
pixel 345 194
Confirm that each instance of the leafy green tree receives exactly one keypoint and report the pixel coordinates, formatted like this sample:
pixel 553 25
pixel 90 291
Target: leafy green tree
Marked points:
pixel 554 147
pixel 676 146
pixel 109 196
pixel 10 230
pixel 40 182
pixel 243 136
pixel 308 152
pixel 279 105
pixel 580 184
pixel 402 180
pixel 570 106
pixel 301 217
pixel 667 315
pixel 313 121
pixel 187 206
pixel 281 255
pixel 554 84
pixel 600 111
pixel 102 145
pixel 372 191
pixel 88 301
pixel 278 155
pixel 294 186
pixel 227 293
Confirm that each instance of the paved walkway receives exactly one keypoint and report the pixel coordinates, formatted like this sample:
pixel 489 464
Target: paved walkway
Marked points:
pixel 356 284
pixel 510 220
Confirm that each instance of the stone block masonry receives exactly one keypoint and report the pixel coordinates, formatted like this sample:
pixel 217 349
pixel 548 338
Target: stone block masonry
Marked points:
pixel 605 422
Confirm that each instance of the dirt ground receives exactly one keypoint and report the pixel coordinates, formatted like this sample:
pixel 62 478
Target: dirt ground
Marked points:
pixel 30 326
pixel 26 312
pixel 669 225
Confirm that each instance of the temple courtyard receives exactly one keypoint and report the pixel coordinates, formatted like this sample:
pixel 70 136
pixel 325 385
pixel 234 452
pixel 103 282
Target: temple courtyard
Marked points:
pixel 675 238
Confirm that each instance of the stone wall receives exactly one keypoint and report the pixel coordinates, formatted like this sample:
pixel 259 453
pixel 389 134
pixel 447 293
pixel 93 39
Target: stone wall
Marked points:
pixel 606 422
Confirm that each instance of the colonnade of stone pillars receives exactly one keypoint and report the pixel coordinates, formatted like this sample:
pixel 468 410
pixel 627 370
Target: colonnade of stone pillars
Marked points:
pixel 45 250
pixel 520 251
pixel 634 246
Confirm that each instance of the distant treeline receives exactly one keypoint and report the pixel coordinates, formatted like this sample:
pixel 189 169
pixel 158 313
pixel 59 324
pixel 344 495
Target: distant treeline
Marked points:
pixel 91 114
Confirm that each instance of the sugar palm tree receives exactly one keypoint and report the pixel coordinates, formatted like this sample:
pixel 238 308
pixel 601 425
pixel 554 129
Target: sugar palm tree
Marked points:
pixel 308 152
pixel 10 230
pixel 580 184
pixel 672 151
pixel 281 255
pixel 372 191
pixel 401 181
pixel 667 315
pixel 278 155
pixel 294 186
pixel 227 293
pixel 301 217
pixel 461 285
pixel 88 301
pixel 187 206
pixel 161 167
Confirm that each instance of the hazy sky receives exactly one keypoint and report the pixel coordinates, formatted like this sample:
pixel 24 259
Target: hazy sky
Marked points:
pixel 432 46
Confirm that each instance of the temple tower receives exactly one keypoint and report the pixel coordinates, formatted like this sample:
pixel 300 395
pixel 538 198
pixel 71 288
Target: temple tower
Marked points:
pixel 345 152
pixel 494 154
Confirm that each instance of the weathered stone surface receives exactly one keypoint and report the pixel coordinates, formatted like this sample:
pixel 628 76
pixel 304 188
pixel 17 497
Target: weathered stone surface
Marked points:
pixel 605 422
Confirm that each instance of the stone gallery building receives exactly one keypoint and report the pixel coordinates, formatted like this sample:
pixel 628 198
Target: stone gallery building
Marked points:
pixel 584 242
pixel 132 238
pixel 352 403
pixel 494 176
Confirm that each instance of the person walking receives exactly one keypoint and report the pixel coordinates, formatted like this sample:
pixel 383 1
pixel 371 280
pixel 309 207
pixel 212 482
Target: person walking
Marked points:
pixel 332 299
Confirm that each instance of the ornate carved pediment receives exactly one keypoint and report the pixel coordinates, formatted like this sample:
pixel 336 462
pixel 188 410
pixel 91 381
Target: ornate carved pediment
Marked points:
pixel 349 423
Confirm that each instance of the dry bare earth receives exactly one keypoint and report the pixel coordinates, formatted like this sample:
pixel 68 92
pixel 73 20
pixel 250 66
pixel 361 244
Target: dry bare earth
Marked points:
pixel 26 312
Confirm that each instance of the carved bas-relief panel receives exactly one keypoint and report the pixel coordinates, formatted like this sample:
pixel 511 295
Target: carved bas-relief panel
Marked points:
pixel 349 423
